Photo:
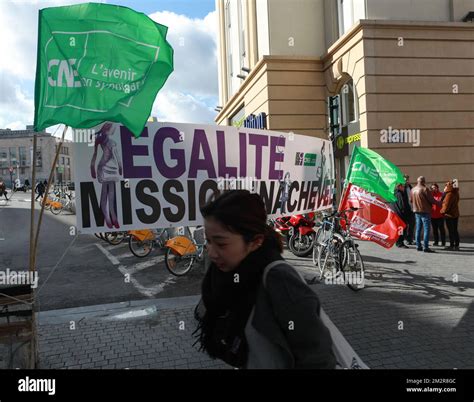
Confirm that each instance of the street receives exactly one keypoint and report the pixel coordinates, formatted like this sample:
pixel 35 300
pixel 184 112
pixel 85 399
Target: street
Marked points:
pixel 91 271
pixel 416 310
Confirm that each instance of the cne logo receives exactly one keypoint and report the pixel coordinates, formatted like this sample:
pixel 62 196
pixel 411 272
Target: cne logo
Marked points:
pixel 361 167
pixel 61 73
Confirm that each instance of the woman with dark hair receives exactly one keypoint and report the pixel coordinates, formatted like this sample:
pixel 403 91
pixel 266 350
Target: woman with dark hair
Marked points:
pixel 450 209
pixel 256 311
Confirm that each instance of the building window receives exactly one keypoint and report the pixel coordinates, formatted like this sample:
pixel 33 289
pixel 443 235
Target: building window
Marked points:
pixel 349 104
pixel 62 160
pixel 67 161
pixel 22 170
pixel 345 12
pixel 4 157
pixel 22 156
pixel 242 15
pixel 39 157
pixel 13 156
pixel 237 119
pixel 228 42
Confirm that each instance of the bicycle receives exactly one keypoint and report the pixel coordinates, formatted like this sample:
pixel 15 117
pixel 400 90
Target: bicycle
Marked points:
pixel 115 238
pixel 353 268
pixel 183 251
pixel 323 233
pixel 64 201
pixel 141 242
pixel 341 260
pixel 49 202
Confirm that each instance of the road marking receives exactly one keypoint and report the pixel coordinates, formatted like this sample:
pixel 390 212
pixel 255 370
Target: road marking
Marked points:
pixel 146 291
pixel 149 292
pixel 142 289
pixel 146 264
pixel 112 247
pixel 159 288
pixel 111 258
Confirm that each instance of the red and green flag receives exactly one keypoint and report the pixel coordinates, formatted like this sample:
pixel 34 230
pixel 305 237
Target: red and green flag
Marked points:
pixel 372 172
pixel 99 62
pixel 375 221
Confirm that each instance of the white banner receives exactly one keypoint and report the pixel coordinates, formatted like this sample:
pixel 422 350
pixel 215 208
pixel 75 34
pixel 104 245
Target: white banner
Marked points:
pixel 163 177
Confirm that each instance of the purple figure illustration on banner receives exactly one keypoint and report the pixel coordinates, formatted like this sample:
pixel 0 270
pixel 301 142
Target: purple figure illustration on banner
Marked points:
pixel 108 173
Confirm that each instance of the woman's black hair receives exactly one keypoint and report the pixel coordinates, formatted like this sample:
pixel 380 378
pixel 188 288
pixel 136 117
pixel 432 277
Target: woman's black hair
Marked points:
pixel 242 212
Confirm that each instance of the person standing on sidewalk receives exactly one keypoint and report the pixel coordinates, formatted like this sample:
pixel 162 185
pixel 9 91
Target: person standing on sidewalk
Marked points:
pixel 403 209
pixel 422 200
pixel 410 222
pixel 450 209
pixel 437 218
pixel 251 316
pixel 3 189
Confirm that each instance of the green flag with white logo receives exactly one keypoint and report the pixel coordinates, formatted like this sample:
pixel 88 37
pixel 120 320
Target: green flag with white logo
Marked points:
pixel 99 62
pixel 373 173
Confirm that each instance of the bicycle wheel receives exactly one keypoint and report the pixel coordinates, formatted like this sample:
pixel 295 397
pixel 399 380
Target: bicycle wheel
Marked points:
pixel 321 239
pixel 178 265
pixel 47 205
pixel 140 248
pixel 353 266
pixel 56 210
pixel 301 245
pixel 115 238
pixel 328 263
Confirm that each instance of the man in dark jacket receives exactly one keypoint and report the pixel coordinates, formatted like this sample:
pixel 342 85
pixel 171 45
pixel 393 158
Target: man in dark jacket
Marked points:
pixel 403 209
pixel 422 201
pixel 40 190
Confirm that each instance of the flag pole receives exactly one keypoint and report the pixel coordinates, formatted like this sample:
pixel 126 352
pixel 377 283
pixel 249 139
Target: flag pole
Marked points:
pixel 34 340
pixel 346 181
pixel 48 185
pixel 32 217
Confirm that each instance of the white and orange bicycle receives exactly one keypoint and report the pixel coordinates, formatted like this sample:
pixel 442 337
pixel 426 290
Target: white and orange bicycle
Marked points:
pixel 183 251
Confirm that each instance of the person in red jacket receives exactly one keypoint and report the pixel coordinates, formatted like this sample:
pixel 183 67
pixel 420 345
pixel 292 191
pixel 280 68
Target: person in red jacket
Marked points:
pixel 437 218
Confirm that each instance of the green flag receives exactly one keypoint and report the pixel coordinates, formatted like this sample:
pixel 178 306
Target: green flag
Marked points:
pixel 96 63
pixel 373 173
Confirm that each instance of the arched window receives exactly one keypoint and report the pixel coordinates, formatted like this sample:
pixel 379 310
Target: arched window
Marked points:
pixel 349 104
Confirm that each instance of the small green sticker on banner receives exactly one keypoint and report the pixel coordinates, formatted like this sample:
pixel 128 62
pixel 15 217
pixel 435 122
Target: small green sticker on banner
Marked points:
pixel 309 159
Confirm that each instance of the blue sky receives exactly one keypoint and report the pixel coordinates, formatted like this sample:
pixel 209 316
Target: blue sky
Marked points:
pixel 190 8
pixel 190 94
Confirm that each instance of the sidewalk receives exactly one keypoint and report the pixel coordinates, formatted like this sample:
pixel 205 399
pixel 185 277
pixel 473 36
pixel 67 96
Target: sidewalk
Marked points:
pixel 146 334
pixel 410 315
